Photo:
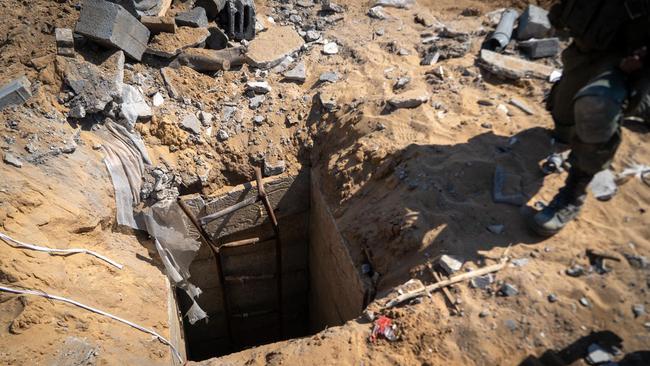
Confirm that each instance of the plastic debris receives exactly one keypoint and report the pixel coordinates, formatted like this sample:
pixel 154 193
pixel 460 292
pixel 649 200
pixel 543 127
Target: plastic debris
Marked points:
pixel 383 326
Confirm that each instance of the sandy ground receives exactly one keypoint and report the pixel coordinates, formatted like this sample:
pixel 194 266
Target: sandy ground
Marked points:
pixel 407 185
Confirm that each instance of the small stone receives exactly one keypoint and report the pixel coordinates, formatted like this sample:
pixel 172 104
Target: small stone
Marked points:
pixel 597 355
pixel 158 100
pixel 10 159
pixel 312 35
pixel 271 169
pixel 377 12
pixel 400 4
pixel 637 261
pixel 511 324
pixel 638 310
pixel 539 48
pixel 191 123
pixel 329 76
pixel 295 18
pixel 484 313
pixel 482 282
pixel 206 118
pixel 256 101
pixel 297 74
pixel 77 111
pixel 258 87
pixel 259 120
pixel 485 102
pixel 327 102
pixel 401 82
pixel 222 135
pixel 520 262
pixel 508 290
pixel 603 185
pixel 409 99
pixel 552 298
pixel 64 41
pixel 496 228
pixel 450 264
pixel 330 48
pixel 575 271
pixel 585 302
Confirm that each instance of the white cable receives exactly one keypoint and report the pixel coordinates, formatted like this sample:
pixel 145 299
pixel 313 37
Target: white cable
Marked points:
pixel 20 244
pixel 54 297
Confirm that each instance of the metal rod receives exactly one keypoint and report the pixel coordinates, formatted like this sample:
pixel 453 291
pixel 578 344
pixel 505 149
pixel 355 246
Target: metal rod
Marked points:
pixel 217 260
pixel 278 243
pixel 239 205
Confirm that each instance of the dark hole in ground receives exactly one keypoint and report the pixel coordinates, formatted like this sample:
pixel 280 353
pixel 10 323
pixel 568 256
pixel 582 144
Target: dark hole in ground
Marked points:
pixel 321 286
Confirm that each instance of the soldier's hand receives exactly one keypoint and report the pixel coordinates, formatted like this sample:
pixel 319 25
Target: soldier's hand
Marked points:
pixel 634 62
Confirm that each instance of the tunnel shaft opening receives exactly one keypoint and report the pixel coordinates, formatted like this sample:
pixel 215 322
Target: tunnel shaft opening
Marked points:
pixel 320 286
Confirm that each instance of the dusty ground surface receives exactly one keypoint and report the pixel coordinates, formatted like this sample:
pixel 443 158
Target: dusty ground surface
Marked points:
pixel 407 185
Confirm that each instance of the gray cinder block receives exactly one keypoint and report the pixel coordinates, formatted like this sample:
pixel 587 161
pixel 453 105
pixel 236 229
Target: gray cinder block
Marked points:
pixel 194 18
pixel 111 25
pixel 533 23
pixel 15 92
pixel 538 48
pixel 64 41
pixel 240 19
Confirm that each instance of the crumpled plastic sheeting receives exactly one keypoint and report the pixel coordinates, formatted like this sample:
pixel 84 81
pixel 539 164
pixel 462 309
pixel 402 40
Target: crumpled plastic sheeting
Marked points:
pixel 177 243
pixel 125 158
pixel 175 236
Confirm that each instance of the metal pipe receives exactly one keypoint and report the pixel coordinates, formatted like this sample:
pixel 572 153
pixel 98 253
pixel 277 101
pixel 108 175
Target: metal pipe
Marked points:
pixel 503 33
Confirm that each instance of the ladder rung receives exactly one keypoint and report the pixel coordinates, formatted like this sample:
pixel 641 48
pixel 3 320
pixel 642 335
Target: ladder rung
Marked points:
pixel 239 205
pixel 245 242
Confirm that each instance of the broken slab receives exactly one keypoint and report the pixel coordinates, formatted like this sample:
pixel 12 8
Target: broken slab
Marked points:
pixel 400 4
pixel 64 42
pixel 112 26
pixel 159 24
pixel 196 18
pixel 409 99
pixel 533 23
pixel 271 47
pixel 297 74
pixel 510 67
pixel 12 160
pixel 191 123
pixel 539 48
pixel 15 92
pixel 94 86
pixel 168 45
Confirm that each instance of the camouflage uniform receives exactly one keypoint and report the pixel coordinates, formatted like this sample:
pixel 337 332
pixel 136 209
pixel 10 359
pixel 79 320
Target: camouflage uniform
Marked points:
pixel 591 98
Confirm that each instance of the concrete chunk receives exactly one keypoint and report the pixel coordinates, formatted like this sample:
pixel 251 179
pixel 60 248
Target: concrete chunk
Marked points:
pixel 450 263
pixel 159 24
pixel 15 92
pixel 409 99
pixel 212 7
pixel 533 23
pixel 271 47
pixel 297 74
pixel 111 25
pixel 510 67
pixel 64 41
pixel 538 48
pixel 194 18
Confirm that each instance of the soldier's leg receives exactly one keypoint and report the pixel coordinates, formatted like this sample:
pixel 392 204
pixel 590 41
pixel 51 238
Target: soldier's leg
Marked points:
pixel 597 111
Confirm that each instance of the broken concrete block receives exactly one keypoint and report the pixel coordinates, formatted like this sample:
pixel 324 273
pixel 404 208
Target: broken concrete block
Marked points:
pixel 510 67
pixel 15 92
pixel 194 18
pixel 240 19
pixel 450 263
pixel 64 41
pixel 159 24
pixel 271 47
pixel 538 48
pixel 217 40
pixel 276 168
pixel 533 23
pixel 508 290
pixel 168 45
pixel 134 105
pixel 212 7
pixel 297 74
pixel 258 87
pixel 111 25
pixel 94 86
pixel 409 99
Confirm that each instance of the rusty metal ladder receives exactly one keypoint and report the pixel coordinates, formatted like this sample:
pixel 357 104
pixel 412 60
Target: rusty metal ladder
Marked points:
pixel 217 249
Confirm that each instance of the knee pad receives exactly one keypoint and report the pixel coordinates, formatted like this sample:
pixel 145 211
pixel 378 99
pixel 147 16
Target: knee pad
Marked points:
pixel 596 118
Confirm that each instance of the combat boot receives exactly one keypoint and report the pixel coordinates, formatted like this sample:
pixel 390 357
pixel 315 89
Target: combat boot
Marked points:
pixel 564 207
